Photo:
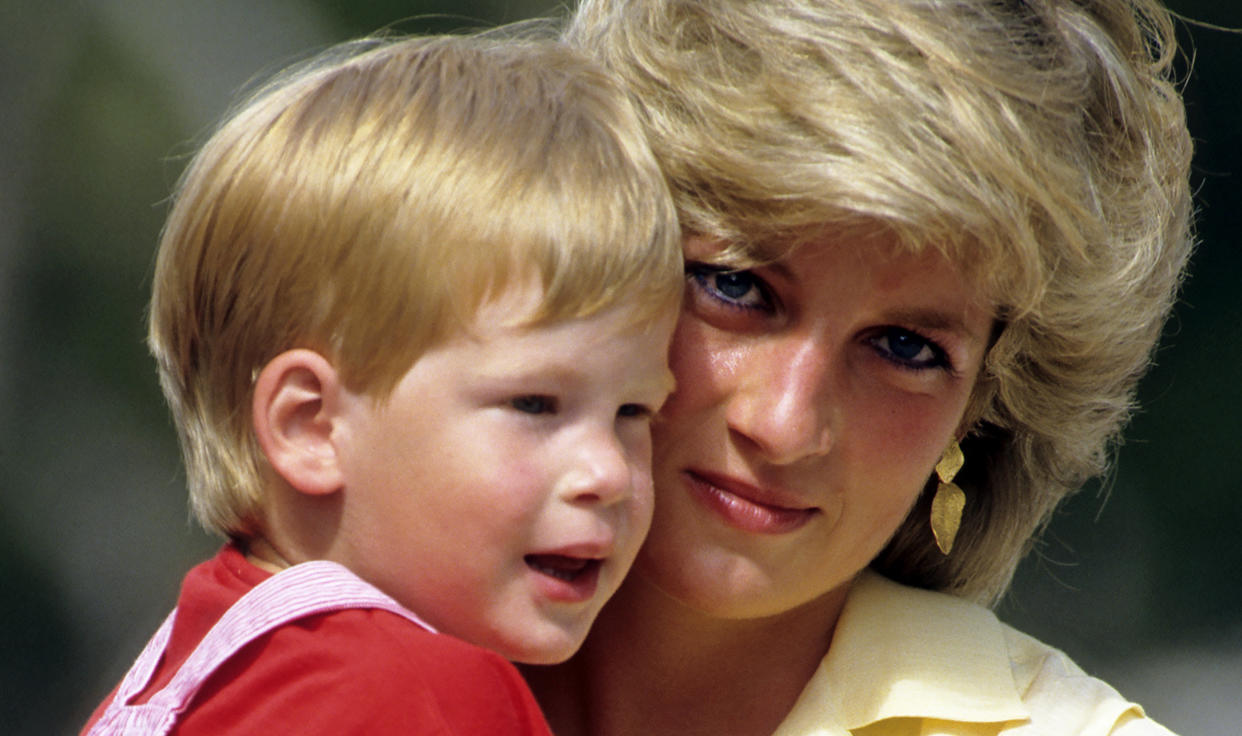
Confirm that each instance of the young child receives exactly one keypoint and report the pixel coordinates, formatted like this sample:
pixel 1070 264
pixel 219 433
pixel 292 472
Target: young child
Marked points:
pixel 411 313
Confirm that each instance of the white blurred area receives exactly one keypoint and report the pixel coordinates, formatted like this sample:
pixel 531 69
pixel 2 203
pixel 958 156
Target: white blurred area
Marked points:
pixel 1192 689
pixel 91 492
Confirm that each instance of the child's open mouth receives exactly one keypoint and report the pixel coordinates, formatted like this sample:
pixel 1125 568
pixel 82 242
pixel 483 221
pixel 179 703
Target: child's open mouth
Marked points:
pixel 562 567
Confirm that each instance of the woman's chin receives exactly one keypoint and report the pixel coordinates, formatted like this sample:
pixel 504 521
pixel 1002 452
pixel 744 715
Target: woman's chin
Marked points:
pixel 714 583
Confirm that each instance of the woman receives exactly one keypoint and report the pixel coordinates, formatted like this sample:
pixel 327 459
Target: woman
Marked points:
pixel 912 227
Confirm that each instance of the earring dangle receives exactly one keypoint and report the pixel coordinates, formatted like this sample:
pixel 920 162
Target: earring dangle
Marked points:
pixel 947 504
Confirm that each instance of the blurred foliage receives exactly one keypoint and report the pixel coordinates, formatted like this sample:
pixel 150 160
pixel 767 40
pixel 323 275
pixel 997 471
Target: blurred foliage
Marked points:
pixel 37 676
pixel 94 214
pixel 428 16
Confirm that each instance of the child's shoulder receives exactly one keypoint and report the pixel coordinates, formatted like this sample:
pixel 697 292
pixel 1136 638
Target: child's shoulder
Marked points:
pixel 371 639
pixel 366 670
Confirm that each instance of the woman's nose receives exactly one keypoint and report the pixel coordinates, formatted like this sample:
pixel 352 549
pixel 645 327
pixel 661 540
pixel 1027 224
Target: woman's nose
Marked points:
pixel 783 403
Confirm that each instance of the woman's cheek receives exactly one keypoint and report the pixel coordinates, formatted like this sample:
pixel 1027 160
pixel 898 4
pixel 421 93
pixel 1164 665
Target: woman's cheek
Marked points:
pixel 689 358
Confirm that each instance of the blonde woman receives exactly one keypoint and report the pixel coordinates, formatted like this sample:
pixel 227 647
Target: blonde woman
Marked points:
pixel 929 246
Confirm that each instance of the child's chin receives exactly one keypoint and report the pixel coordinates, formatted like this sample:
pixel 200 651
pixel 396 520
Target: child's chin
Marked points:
pixel 547 652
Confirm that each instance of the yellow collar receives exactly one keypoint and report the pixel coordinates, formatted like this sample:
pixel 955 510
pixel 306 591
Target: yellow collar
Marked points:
pixel 903 652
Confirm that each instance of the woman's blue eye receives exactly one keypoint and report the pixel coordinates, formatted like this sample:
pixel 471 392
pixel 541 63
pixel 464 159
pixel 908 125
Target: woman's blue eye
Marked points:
pixel 733 285
pixel 909 349
pixel 735 288
pixel 534 404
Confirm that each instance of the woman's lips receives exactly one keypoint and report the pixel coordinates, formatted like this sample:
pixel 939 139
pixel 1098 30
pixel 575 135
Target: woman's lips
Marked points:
pixel 747 507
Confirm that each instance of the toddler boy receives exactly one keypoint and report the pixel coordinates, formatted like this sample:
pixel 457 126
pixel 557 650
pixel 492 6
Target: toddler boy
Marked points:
pixel 411 313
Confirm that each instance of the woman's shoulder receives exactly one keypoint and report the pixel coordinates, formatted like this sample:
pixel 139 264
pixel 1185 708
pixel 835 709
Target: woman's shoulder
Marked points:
pixel 1062 698
pixel 902 656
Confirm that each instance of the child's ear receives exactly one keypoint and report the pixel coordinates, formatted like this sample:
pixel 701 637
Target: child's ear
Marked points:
pixel 296 399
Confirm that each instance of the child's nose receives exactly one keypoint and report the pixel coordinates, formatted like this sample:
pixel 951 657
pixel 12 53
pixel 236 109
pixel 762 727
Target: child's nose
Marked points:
pixel 599 473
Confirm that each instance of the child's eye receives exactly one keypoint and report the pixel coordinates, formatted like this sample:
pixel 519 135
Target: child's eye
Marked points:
pixel 534 404
pixel 739 289
pixel 909 349
pixel 634 410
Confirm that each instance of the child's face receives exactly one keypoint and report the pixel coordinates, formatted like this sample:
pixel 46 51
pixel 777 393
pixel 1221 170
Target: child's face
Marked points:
pixel 503 490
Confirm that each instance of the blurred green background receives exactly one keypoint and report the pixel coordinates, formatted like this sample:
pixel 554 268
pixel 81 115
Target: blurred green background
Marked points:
pixel 101 102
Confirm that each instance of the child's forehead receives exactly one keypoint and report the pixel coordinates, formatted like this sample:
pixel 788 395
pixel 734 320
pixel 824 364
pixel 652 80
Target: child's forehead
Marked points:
pixel 523 303
pixel 517 303
pixel 523 314
pixel 618 344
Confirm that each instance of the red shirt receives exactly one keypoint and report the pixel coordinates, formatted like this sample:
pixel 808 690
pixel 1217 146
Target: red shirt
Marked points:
pixel 353 671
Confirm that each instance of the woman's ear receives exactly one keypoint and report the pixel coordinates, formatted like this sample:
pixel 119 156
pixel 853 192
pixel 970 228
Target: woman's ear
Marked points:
pixel 296 397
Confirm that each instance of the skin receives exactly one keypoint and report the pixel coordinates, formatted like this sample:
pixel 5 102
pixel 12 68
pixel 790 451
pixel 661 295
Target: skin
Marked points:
pixel 500 492
pixel 815 395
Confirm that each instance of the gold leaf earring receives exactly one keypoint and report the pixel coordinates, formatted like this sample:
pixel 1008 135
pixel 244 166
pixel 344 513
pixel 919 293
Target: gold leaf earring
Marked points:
pixel 947 504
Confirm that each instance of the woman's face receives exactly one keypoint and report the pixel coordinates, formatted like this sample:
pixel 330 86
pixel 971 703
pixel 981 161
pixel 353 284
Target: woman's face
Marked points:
pixel 814 396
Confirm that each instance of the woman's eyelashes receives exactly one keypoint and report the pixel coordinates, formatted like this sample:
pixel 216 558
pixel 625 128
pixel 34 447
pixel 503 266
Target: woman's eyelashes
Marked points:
pixel 731 288
pixel 908 349
pixel 744 291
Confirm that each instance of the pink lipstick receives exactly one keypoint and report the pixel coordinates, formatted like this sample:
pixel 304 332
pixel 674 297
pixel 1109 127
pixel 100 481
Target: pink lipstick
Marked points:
pixel 748 507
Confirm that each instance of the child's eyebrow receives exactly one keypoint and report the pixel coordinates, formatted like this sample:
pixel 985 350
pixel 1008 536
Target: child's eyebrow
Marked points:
pixel 563 373
pixel 558 371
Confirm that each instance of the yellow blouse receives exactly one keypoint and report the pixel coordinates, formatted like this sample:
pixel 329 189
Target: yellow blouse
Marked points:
pixel 909 662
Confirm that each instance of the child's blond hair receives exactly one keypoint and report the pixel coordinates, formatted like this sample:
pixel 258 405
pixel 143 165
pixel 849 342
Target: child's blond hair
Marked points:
pixel 365 205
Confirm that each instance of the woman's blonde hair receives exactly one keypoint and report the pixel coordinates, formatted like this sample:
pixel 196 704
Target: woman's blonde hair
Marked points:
pixel 1040 144
pixel 368 203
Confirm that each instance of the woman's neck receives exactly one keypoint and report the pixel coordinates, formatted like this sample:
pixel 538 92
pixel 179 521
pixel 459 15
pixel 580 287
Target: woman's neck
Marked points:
pixel 653 666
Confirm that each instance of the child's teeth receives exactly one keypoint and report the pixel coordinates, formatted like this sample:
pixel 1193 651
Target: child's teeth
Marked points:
pixel 558 566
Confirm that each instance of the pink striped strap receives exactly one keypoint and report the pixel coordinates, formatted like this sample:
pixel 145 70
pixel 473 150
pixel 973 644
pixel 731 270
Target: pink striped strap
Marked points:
pixel 293 593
